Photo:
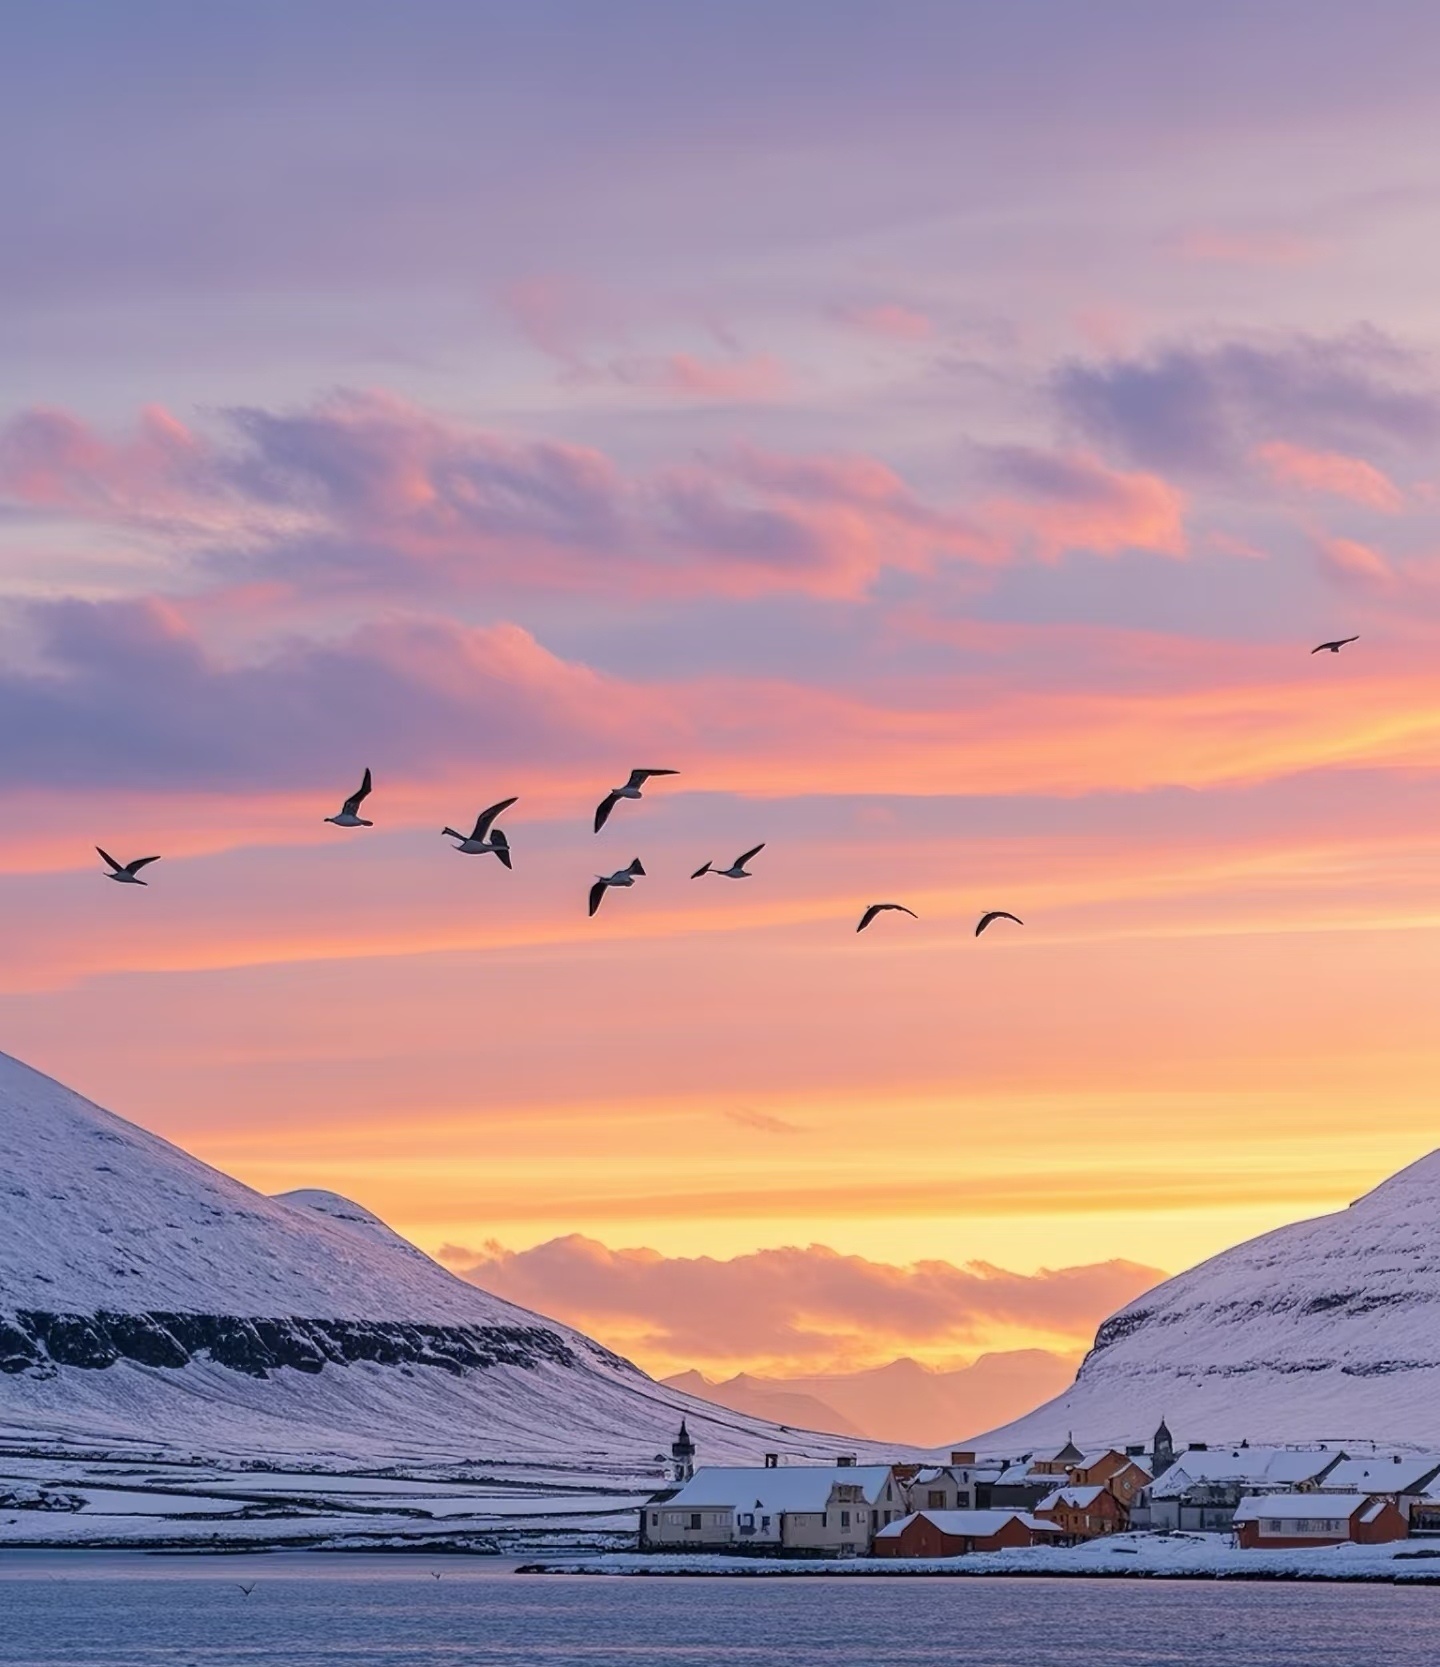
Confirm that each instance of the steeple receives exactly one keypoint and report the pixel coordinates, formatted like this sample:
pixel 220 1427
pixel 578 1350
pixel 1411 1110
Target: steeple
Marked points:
pixel 682 1453
pixel 1163 1455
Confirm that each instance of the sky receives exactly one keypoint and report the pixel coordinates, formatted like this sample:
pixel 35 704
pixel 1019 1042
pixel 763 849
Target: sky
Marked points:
pixel 938 431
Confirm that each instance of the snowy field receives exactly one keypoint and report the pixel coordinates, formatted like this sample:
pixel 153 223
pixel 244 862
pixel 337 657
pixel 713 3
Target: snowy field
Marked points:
pixel 1151 1556
pixel 102 1610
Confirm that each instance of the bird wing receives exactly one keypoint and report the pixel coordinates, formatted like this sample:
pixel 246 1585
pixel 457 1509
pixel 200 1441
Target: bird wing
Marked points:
pixel 139 863
pixel 597 891
pixel 501 848
pixel 486 817
pixel 1344 640
pixel 636 866
pixel 869 915
pixel 996 914
pixel 118 867
pixel 754 851
pixel 353 803
pixel 603 809
pixel 699 871
pixel 638 778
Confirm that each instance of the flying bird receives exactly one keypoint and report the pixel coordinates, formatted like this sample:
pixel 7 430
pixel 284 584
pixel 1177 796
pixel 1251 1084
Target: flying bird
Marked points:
pixel 631 790
pixel 349 816
pixel 1335 646
pixel 482 839
pixel 621 877
pixel 247 1589
pixel 876 908
pixel 737 869
pixel 996 914
pixel 127 873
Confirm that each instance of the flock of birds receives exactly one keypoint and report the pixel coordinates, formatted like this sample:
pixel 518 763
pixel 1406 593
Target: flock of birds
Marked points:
pixel 486 839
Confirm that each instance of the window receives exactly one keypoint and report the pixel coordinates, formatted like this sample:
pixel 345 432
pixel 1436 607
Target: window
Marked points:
pixel 694 1519
pixel 1273 1525
pixel 654 1519
pixel 844 1519
pixel 747 1519
pixel 764 1522
pixel 935 1499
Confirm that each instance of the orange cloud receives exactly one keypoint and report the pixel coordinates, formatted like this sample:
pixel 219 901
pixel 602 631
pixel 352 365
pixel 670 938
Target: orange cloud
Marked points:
pixel 1330 473
pixel 798 1308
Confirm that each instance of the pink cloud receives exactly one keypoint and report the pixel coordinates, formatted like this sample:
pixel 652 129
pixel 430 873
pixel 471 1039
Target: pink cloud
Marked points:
pixel 738 380
pixel 891 319
pixel 1331 473
pixel 1072 501
pixel 1352 562
pixel 806 1306
pixel 1219 247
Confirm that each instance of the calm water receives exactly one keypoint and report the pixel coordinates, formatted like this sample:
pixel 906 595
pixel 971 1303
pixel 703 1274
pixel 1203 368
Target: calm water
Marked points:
pixel 97 1611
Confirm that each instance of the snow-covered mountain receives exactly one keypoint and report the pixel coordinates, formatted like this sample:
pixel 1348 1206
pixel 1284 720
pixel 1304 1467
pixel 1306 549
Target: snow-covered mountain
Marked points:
pixel 145 1297
pixel 1327 1329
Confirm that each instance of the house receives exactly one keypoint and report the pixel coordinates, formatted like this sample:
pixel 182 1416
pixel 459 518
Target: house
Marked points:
pixel 1199 1492
pixel 956 1533
pixel 1285 1521
pixel 1083 1513
pixel 806 1508
pixel 1402 1477
pixel 950 1487
pixel 1022 1485
pixel 1057 1463
pixel 1425 1512
pixel 1113 1470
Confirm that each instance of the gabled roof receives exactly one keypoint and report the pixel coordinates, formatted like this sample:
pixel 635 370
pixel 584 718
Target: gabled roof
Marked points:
pixel 1277 1466
pixel 974 1525
pixel 1394 1473
pixel 1288 1507
pixel 788 1487
pixel 1073 1499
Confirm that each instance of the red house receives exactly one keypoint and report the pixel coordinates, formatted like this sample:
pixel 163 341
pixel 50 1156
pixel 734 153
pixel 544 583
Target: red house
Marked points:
pixel 1084 1513
pixel 954 1533
pixel 1288 1521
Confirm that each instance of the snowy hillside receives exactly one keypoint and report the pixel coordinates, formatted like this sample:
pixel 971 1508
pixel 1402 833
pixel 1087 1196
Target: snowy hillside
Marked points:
pixel 1328 1329
pixel 145 1297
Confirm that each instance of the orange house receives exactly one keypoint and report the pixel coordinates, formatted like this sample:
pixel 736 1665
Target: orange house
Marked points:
pixel 1083 1513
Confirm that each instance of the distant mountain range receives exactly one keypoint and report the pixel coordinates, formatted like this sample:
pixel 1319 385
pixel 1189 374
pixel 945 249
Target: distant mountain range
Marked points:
pixel 903 1402
pixel 145 1297
pixel 1323 1330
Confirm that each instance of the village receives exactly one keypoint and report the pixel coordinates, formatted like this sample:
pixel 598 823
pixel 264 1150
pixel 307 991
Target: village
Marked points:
pixel 1260 1498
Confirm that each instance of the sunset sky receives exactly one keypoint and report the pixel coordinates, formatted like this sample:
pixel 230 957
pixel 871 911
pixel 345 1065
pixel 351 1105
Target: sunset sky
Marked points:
pixel 939 431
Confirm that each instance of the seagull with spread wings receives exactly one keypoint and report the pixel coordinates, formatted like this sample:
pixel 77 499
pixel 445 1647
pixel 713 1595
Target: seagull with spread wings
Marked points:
pixel 631 790
pixel 877 908
pixel 1335 646
pixel 996 914
pixel 737 869
pixel 621 877
pixel 482 839
pixel 350 816
pixel 127 873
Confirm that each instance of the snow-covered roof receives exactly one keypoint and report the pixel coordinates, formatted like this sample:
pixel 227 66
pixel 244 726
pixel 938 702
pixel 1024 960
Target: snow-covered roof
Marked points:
pixel 969 1524
pixel 1394 1473
pixel 1279 1466
pixel 1287 1507
pixel 1020 1475
pixel 1087 1461
pixel 1073 1499
pixel 789 1487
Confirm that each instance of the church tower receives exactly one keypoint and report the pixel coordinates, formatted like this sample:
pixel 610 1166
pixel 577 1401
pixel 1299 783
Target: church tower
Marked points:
pixel 1163 1455
pixel 682 1453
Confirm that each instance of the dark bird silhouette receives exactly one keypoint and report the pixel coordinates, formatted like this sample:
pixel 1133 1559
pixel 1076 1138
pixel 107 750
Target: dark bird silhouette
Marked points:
pixel 350 816
pixel 621 877
pixel 737 869
pixel 996 914
pixel 127 873
pixel 631 790
pixel 1335 646
pixel 482 839
pixel 247 1589
pixel 876 908
pixel 435 1574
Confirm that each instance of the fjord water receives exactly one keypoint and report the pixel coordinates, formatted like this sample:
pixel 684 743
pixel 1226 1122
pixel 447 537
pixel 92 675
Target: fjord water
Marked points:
pixel 83 1610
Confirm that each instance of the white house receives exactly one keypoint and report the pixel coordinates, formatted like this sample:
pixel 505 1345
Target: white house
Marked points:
pixel 799 1507
pixel 1200 1491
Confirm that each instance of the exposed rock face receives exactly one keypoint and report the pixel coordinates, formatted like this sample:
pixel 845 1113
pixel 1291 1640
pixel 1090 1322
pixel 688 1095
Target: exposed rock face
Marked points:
pixel 1328 1329
pixel 37 1341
